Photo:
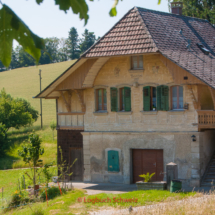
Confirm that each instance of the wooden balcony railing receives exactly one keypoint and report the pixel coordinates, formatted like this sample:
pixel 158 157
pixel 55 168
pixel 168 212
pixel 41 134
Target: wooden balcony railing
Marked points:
pixel 206 119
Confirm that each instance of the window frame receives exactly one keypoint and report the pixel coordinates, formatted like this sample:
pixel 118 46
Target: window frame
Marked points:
pixel 121 99
pixel 138 62
pixel 151 98
pixel 97 100
pixel 171 97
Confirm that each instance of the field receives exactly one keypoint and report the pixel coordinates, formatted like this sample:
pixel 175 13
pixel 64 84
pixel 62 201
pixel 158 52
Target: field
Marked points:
pixel 24 83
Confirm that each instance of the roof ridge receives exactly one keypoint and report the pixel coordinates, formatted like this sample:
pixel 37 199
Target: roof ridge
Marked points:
pixel 172 14
pixel 106 33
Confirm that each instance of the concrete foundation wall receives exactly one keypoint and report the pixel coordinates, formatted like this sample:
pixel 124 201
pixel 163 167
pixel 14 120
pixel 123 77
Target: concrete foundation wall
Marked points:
pixel 177 147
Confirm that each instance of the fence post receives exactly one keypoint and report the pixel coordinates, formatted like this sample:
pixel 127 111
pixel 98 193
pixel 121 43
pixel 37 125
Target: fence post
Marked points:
pixel 24 182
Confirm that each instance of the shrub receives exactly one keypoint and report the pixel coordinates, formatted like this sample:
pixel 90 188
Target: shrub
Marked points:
pixel 52 192
pixel 19 198
pixel 147 177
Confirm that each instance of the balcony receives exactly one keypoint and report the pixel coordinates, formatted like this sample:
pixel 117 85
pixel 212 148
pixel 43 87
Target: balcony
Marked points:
pixel 71 120
pixel 206 119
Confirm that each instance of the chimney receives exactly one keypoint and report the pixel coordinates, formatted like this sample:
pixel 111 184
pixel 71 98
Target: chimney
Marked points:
pixel 176 8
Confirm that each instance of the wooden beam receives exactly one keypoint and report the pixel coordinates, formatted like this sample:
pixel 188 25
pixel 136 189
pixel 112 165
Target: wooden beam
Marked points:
pixel 52 98
pixel 70 128
pixel 212 95
pixel 195 102
pixel 81 100
pixel 71 113
pixel 68 105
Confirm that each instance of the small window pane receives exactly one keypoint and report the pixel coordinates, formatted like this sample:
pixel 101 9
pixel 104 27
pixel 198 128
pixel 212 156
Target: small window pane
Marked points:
pixel 134 62
pixel 105 99
pixel 174 98
pixel 99 99
pixel 140 62
pixel 181 97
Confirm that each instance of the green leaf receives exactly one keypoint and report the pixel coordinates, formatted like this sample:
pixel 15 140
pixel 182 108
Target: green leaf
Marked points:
pixel 39 1
pixel 12 27
pixel 113 11
pixel 159 2
pixel 78 7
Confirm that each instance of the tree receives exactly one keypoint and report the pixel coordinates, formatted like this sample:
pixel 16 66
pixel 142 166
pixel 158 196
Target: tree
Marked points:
pixel 63 50
pixel 13 28
pixel 3 140
pixel 15 113
pixel 31 155
pixel 24 58
pixel 204 9
pixel 87 41
pixel 50 54
pixel 73 45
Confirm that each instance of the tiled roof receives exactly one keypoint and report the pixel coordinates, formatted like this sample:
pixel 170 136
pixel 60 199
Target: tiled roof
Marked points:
pixel 128 36
pixel 146 31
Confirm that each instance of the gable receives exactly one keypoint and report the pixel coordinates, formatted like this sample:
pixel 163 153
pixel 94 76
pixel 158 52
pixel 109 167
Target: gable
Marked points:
pixel 128 36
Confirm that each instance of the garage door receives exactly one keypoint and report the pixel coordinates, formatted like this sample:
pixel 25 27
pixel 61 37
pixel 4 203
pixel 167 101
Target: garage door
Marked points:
pixel 147 160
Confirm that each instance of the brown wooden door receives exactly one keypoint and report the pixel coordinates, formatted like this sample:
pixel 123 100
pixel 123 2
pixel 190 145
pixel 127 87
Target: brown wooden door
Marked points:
pixel 147 160
pixel 77 168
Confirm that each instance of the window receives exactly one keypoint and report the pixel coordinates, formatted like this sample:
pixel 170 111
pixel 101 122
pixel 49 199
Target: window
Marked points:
pixel 177 97
pixel 101 100
pixel 149 98
pixel 163 98
pixel 137 62
pixel 124 98
pixel 113 161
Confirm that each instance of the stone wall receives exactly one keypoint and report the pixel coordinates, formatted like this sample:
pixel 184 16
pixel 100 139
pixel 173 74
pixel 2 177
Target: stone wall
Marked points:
pixel 116 73
pixel 177 147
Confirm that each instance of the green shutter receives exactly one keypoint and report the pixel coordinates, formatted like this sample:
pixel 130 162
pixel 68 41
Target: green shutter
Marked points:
pixel 114 99
pixel 165 98
pixel 146 98
pixel 159 97
pixel 127 98
pixel 113 161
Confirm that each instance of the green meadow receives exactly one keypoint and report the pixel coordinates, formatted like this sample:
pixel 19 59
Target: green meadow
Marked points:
pixel 24 83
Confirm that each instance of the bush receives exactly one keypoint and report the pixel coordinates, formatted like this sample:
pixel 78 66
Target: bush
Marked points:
pixel 52 192
pixel 19 198
pixel 3 139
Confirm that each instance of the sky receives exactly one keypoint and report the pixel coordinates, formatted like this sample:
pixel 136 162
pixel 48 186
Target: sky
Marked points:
pixel 46 20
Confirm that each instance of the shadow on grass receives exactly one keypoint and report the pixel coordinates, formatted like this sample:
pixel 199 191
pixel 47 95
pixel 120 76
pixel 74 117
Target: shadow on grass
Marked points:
pixel 15 139
pixel 6 162
pixel 25 130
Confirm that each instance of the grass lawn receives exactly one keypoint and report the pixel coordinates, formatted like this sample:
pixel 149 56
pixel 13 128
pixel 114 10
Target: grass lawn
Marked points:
pixel 68 203
pixel 16 137
pixel 24 83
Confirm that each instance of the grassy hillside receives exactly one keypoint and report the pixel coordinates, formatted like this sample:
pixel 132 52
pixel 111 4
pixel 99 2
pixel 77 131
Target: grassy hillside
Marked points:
pixel 24 83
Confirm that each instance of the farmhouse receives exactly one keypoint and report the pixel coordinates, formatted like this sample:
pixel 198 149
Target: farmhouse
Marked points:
pixel 139 98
